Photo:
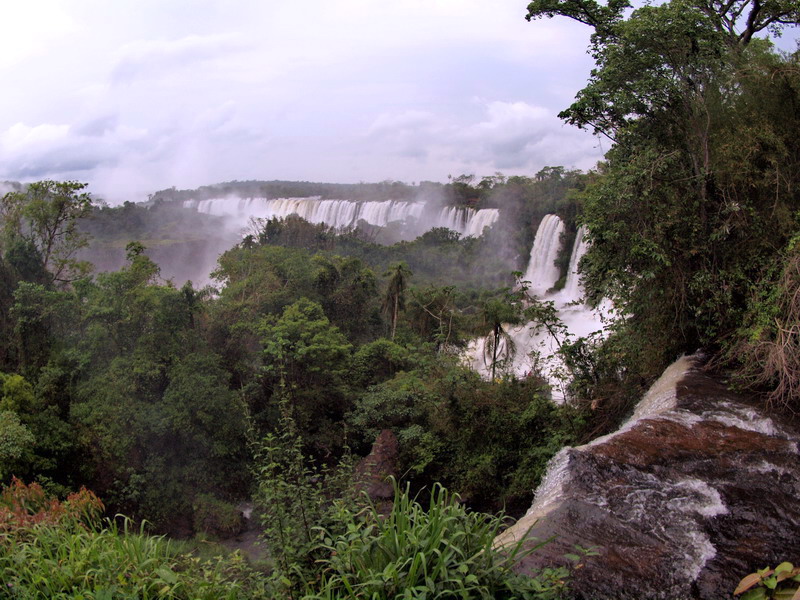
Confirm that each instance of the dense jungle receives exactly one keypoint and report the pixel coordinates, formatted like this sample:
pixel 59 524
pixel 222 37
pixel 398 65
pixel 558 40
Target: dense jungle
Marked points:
pixel 140 412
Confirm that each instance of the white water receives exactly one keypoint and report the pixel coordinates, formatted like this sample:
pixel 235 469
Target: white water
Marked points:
pixel 535 348
pixel 345 213
pixel 681 497
pixel 542 273
pixel 573 289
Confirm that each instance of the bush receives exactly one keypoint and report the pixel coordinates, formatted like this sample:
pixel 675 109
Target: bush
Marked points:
pixel 214 516
pixel 443 551
pixel 780 583
pixel 50 549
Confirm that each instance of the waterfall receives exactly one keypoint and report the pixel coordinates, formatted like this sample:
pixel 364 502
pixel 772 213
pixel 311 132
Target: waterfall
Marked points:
pixel 336 213
pixel 345 213
pixel 573 290
pixel 478 220
pixel 536 349
pixel 542 272
pixel 683 480
pixel 467 221
pixel 453 218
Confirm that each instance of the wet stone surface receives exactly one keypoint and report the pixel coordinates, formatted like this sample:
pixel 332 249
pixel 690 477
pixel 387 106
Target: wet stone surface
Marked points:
pixel 681 502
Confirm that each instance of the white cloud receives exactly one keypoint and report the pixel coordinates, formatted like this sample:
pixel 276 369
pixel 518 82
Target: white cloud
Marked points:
pixel 149 57
pixel 514 136
pixel 133 97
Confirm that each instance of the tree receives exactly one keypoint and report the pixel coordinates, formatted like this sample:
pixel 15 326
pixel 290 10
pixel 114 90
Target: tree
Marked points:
pixel 15 441
pixel 306 360
pixel 499 347
pixel 46 216
pixel 395 298
pixel 698 192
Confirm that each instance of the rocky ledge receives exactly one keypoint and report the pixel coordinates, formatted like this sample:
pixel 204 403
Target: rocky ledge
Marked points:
pixel 696 490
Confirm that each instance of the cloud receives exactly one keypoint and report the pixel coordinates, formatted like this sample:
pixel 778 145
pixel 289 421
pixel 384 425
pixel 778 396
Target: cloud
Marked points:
pixel 52 150
pixel 147 58
pixel 135 97
pixel 507 135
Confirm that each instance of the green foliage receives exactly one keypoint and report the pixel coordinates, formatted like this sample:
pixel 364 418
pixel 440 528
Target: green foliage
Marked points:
pixel 42 438
pixel 489 440
pixel 296 498
pixel 50 549
pixel 394 300
pixel 499 313
pixel 380 360
pixel 160 439
pixel 698 193
pixel 306 360
pixel 438 551
pixel 779 583
pixel 45 216
pixel 16 441
pixel 767 346
pixel 216 517
pixel 117 563
pixel 16 394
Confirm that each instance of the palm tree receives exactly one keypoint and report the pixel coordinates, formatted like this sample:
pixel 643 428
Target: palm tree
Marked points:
pixel 499 347
pixel 395 299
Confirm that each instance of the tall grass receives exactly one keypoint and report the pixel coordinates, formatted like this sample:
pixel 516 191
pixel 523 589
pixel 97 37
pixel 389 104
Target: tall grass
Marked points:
pixel 55 550
pixel 442 551
pixel 57 561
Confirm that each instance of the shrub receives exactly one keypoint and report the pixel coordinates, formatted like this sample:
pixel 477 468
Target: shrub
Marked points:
pixel 214 516
pixel 60 550
pixel 444 551
pixel 780 583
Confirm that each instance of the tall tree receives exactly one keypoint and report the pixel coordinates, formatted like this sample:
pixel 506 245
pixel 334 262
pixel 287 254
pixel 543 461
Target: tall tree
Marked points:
pixel 698 192
pixel 395 298
pixel 45 215
pixel 498 314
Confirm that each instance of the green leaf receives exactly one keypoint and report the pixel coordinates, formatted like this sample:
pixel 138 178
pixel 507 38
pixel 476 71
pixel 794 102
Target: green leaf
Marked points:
pixel 755 594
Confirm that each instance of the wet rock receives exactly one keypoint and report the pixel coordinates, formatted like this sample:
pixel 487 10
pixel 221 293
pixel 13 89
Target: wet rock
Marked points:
pixel 697 490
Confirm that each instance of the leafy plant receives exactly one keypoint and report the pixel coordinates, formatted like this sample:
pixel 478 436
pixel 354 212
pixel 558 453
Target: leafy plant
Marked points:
pixel 62 550
pixel 296 499
pixel 438 551
pixel 781 583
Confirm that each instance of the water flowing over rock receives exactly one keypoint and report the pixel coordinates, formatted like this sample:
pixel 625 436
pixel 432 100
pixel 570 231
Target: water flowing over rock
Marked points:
pixel 573 290
pixel 345 213
pixel 534 348
pixel 542 272
pixel 696 490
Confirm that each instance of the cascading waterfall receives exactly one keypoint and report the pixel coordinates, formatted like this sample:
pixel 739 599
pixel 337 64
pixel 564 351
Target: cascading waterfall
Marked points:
pixel 542 273
pixel 345 213
pixel 573 290
pixel 336 213
pixel 534 348
pixel 669 497
pixel 478 221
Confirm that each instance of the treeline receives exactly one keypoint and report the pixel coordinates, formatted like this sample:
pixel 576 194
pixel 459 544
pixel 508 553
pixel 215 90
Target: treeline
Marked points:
pixel 168 229
pixel 385 190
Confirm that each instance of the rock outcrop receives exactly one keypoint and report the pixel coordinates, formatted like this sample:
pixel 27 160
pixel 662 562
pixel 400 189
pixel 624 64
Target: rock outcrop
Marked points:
pixel 374 472
pixel 696 490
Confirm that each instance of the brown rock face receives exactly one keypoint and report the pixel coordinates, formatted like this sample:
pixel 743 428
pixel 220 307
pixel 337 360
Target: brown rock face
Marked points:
pixel 373 471
pixel 697 490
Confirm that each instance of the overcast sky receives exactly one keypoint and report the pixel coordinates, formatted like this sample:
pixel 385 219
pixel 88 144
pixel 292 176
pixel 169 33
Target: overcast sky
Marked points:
pixel 135 96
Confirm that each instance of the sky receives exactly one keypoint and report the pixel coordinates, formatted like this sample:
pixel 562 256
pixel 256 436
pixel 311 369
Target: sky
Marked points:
pixel 133 97
pixel 136 96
